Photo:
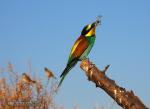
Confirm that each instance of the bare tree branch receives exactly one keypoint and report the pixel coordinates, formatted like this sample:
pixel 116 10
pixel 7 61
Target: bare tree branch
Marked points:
pixel 126 99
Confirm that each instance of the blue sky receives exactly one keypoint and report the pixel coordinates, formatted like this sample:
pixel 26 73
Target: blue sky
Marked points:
pixel 43 33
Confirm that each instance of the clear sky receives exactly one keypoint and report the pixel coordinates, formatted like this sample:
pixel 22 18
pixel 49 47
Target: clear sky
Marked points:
pixel 43 32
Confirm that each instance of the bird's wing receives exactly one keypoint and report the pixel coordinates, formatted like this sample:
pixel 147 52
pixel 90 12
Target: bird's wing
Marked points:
pixel 78 48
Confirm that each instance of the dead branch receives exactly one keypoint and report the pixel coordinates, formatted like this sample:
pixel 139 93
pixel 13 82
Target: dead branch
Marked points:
pixel 126 99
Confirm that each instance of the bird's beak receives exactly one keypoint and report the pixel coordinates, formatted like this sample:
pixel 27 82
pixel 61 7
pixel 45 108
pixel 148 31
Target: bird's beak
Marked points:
pixel 92 32
pixel 97 22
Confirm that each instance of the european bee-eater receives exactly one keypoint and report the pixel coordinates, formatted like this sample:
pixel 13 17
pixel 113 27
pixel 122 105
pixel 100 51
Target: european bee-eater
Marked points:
pixel 26 78
pixel 81 47
pixel 49 73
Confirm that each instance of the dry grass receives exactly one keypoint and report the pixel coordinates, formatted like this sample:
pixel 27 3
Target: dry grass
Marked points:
pixel 16 93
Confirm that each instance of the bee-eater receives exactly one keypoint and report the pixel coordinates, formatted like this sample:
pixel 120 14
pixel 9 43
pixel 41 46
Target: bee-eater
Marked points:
pixel 81 47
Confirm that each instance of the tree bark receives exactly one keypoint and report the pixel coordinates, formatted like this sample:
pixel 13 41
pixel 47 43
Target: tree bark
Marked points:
pixel 126 99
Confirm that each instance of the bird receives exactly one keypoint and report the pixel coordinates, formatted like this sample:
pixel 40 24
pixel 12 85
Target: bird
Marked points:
pixel 81 47
pixel 49 73
pixel 26 78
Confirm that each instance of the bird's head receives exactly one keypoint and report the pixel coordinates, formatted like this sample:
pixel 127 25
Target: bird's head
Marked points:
pixel 90 29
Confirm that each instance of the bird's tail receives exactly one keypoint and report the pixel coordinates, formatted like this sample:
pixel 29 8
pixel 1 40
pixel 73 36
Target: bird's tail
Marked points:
pixel 66 70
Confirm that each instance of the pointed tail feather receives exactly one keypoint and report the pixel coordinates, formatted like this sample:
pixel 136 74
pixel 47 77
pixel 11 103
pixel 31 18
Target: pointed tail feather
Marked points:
pixel 66 71
pixel 62 78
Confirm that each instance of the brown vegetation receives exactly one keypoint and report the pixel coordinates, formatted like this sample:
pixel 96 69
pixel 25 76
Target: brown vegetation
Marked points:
pixel 19 91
